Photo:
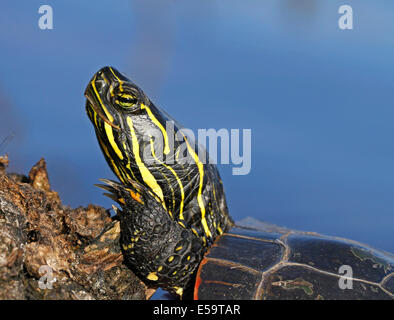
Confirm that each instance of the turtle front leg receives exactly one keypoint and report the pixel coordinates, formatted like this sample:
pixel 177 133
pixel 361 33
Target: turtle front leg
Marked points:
pixel 161 251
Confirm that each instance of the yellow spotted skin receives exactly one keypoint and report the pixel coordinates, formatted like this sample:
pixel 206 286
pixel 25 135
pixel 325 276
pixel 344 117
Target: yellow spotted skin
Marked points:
pixel 158 167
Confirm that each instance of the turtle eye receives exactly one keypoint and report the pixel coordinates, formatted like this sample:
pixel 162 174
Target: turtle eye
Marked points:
pixel 126 100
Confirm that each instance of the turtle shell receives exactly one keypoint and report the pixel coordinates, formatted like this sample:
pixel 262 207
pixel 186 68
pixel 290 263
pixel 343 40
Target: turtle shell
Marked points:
pixel 276 263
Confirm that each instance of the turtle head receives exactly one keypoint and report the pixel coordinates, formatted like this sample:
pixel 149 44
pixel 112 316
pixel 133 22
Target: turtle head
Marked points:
pixel 110 93
pixel 128 127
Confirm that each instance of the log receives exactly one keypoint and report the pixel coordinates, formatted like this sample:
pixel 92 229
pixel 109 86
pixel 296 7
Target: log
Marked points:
pixel 51 251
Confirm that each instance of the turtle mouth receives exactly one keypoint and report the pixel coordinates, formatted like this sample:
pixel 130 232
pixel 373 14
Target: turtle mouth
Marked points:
pixel 95 103
pixel 93 107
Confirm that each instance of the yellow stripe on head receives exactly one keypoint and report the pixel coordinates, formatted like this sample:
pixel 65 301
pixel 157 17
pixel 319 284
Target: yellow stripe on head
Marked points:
pixel 109 116
pixel 120 81
pixel 95 119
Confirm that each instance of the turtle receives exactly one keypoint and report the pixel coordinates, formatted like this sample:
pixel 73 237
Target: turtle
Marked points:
pixel 176 230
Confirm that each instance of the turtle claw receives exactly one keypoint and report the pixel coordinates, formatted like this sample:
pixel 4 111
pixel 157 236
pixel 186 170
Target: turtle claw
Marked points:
pixel 104 187
pixel 108 182
pixel 111 196
pixel 116 209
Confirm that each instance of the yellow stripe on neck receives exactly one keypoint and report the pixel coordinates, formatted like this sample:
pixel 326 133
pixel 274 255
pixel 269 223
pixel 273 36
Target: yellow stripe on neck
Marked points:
pixel 147 176
pixel 158 124
pixel 200 201
pixel 115 168
pixel 111 139
pixel 176 177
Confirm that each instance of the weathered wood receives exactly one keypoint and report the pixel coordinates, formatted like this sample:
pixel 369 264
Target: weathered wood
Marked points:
pixel 39 235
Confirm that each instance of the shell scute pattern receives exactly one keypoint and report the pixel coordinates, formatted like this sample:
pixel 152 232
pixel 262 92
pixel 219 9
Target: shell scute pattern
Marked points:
pixel 293 265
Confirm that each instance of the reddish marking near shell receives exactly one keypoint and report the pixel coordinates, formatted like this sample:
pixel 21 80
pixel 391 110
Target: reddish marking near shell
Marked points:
pixel 198 278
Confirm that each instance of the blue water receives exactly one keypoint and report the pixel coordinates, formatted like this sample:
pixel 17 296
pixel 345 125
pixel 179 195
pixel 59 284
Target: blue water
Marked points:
pixel 319 100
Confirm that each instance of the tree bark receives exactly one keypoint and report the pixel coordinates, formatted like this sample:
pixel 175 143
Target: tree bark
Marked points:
pixel 50 251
